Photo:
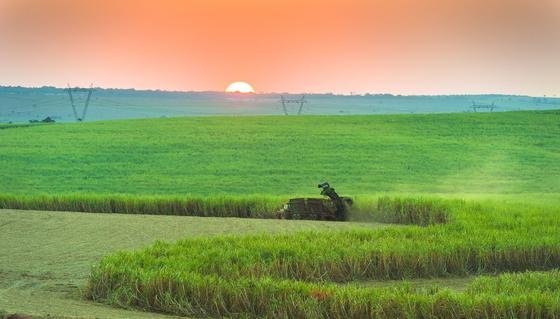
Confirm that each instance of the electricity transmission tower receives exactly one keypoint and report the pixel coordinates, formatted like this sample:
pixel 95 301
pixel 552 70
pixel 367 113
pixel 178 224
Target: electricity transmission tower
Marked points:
pixel 479 106
pixel 89 91
pixel 301 101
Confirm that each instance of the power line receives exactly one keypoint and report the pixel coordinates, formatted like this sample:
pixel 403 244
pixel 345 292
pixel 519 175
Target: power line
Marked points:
pixel 115 102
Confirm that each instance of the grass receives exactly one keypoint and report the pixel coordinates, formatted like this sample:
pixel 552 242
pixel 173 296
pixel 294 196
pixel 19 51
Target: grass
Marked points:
pixel 292 275
pixel 247 167
pixel 275 299
pixel 216 206
pixel 494 153
pixel 416 211
pixel 385 209
pixel 517 283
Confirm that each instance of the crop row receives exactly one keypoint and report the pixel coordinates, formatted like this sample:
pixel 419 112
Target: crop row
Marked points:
pixel 217 206
pixel 292 275
pixel 196 295
pixel 419 211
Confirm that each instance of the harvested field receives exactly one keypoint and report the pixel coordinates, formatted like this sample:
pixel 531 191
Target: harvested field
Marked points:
pixel 47 256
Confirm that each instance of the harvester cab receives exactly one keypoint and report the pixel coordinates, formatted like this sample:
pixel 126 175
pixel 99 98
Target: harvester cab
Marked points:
pixel 334 207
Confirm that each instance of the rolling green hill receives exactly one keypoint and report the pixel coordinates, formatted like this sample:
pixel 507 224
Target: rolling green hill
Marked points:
pixel 511 152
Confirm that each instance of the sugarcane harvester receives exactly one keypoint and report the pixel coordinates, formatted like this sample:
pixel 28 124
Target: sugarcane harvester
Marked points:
pixel 334 207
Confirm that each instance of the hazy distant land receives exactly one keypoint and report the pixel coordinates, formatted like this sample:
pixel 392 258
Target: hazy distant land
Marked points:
pixel 19 104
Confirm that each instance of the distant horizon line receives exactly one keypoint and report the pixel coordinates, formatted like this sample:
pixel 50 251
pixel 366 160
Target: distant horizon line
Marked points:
pixel 273 92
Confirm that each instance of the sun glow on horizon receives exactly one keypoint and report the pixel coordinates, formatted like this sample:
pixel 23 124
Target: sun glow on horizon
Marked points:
pixel 240 87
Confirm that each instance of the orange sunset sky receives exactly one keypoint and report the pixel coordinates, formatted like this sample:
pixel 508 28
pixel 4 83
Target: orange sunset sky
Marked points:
pixel 340 46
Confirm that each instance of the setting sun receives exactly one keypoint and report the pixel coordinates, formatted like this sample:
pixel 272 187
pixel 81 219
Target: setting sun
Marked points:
pixel 240 87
